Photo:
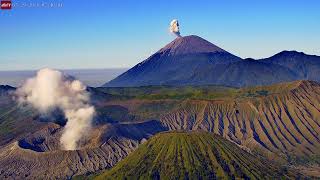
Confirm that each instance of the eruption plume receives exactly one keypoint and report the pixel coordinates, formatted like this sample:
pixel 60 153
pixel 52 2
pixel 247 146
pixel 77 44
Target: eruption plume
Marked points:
pixel 174 27
pixel 50 89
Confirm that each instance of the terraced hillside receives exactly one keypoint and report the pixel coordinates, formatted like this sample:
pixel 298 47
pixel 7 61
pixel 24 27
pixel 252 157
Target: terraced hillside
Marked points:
pixel 193 155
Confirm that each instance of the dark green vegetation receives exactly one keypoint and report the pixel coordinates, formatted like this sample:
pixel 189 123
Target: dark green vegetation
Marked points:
pixel 171 92
pixel 192 155
pixel 195 92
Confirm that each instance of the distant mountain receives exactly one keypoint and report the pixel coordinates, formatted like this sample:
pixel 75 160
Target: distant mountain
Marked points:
pixel 192 155
pixel 191 60
pixel 5 89
pixel 304 66
pixel 178 63
pixel 244 73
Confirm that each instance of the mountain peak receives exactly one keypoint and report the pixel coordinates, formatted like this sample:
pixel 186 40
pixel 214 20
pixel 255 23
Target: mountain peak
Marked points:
pixel 190 45
pixel 289 53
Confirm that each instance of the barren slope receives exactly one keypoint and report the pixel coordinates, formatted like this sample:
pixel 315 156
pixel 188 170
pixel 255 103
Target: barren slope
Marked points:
pixel 39 155
pixel 287 121
pixel 282 119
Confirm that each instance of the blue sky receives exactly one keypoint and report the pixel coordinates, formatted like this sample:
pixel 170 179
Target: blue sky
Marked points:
pixel 118 33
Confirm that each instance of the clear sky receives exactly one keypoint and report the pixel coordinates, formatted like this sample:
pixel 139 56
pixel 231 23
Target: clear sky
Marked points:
pixel 118 33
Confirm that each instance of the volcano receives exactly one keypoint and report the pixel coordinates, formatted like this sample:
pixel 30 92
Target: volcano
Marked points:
pixel 180 62
pixel 275 121
pixel 190 45
pixel 192 60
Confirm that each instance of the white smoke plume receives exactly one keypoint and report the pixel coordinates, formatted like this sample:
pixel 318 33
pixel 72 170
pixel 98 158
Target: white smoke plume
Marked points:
pixel 50 89
pixel 174 27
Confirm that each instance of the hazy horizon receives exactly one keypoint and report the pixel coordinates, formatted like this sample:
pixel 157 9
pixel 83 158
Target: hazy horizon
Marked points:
pixel 119 33
pixel 90 77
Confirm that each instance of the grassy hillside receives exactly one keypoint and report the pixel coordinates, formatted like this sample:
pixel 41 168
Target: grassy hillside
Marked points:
pixel 196 92
pixel 191 155
pixel 171 92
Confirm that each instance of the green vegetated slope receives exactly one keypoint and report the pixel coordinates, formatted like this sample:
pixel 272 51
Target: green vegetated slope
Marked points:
pixel 171 92
pixel 193 155
pixel 196 92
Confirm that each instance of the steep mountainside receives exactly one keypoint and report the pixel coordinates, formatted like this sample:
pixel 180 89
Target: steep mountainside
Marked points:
pixel 192 155
pixel 303 65
pixel 286 121
pixel 191 60
pixel 39 154
pixel 251 72
pixel 16 121
pixel 176 64
pixel 190 45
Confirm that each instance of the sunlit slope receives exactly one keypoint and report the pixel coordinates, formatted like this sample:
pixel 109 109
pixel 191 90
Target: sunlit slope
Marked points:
pixel 191 155
pixel 15 121
pixel 285 119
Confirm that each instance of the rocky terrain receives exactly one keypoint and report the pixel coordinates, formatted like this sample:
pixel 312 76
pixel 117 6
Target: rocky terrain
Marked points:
pixel 278 122
pixel 39 155
pixel 288 122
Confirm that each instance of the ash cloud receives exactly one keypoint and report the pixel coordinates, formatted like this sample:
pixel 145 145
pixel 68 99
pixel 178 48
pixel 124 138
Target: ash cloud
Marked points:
pixel 174 27
pixel 51 89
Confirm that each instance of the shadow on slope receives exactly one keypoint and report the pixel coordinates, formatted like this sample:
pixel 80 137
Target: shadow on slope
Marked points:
pixel 192 155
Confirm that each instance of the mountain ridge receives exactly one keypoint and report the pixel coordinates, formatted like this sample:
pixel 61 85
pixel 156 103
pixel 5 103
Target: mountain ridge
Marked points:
pixel 192 60
pixel 305 66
